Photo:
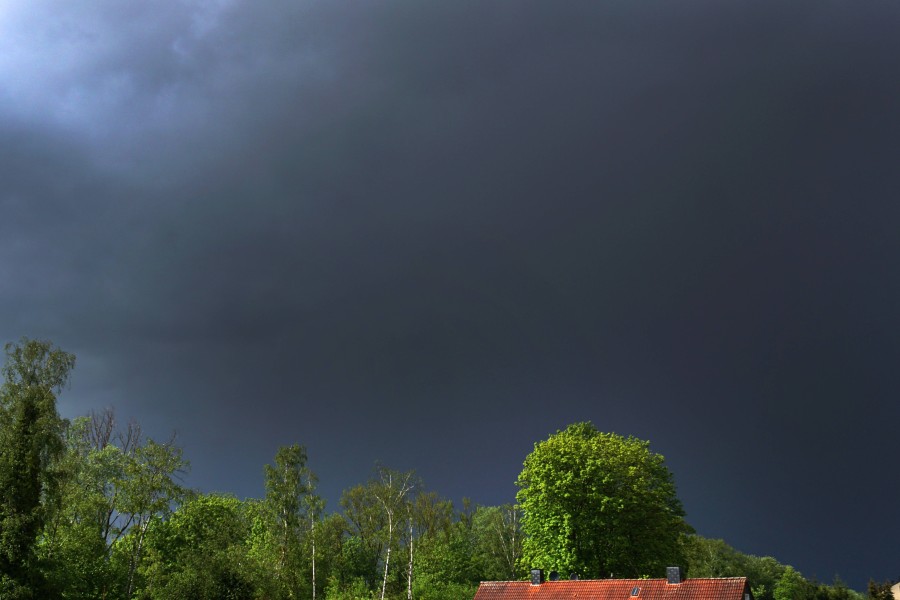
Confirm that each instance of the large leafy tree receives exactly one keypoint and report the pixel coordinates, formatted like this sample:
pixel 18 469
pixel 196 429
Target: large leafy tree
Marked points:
pixel 792 586
pixel 77 536
pixel 30 443
pixel 200 553
pixel 148 493
pixel 113 486
pixel 600 505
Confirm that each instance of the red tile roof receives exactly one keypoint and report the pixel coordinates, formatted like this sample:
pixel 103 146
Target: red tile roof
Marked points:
pixel 721 588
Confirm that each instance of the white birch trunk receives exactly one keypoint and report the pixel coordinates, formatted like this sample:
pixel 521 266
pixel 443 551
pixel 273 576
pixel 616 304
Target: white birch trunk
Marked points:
pixel 312 530
pixel 136 556
pixel 387 557
pixel 410 570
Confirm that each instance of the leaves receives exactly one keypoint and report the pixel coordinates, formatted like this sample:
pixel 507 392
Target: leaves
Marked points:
pixel 30 443
pixel 598 504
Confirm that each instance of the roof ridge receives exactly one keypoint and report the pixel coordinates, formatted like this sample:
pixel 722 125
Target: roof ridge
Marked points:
pixel 686 579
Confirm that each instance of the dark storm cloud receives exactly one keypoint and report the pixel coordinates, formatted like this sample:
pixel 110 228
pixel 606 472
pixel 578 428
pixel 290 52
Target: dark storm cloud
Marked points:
pixel 392 230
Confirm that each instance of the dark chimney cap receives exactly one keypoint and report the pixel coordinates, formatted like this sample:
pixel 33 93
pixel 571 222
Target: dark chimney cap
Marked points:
pixel 537 576
pixel 673 575
pixel 573 576
pixel 554 575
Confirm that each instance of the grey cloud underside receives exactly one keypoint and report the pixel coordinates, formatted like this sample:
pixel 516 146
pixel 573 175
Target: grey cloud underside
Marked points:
pixel 333 223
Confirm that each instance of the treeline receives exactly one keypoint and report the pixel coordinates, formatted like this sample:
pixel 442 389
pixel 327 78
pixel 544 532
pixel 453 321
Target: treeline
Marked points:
pixel 769 579
pixel 120 525
pixel 93 509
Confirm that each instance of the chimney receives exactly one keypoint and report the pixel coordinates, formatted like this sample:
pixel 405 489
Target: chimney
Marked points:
pixel 537 576
pixel 673 575
pixel 573 576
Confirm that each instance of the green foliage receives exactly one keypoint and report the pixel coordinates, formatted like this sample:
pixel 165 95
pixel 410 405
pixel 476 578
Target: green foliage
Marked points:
pixel 355 588
pixel 291 509
pixel 367 529
pixel 199 552
pixel 430 588
pixel 879 591
pixel 705 557
pixel 147 494
pixel 30 443
pixel 328 535
pixel 112 486
pixel 288 482
pixel 498 542
pixel 837 591
pixel 448 556
pixel 792 586
pixel 358 561
pixel 600 505
pixel 768 579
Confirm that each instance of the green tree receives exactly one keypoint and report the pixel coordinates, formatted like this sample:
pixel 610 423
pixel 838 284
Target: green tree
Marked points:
pixel 148 493
pixel 378 515
pixel 113 485
pixel 329 536
pixel 879 591
pixel 498 542
pixel 30 442
pixel 838 590
pixel 78 533
pixel 364 546
pixel 200 552
pixel 792 586
pixel 449 556
pixel 763 574
pixel 600 505
pixel 704 557
pixel 293 509
pixel 392 492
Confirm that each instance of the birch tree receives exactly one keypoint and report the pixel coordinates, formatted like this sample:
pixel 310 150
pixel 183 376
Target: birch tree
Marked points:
pixel 392 495
pixel 315 505
pixel 294 508
pixel 498 535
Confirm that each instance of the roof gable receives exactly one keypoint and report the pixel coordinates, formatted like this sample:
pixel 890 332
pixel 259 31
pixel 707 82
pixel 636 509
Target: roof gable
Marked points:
pixel 720 588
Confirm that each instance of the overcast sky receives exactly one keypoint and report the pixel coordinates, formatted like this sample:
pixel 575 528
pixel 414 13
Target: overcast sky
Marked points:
pixel 433 233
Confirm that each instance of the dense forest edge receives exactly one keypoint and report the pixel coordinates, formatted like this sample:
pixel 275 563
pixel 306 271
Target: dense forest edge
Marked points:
pixel 93 509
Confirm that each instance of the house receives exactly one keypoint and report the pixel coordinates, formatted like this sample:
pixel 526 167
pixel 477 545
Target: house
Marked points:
pixel 673 587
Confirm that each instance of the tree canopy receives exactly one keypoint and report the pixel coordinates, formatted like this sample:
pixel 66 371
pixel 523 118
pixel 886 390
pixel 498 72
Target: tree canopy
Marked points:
pixel 600 505
pixel 30 441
